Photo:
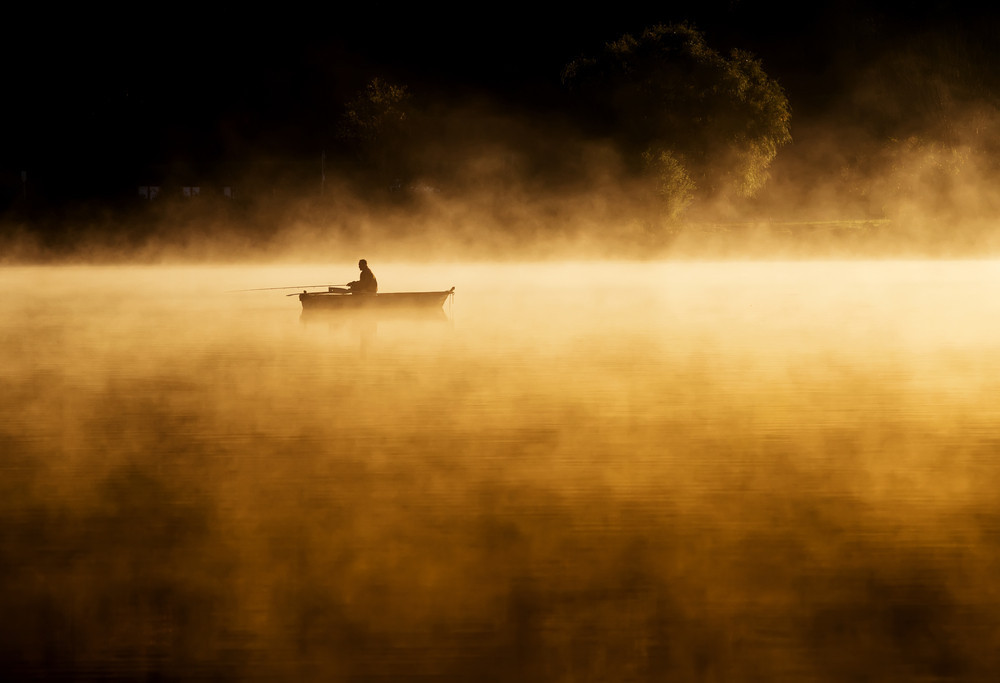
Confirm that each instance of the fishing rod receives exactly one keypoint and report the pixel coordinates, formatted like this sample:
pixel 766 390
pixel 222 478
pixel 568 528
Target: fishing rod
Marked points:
pixel 265 289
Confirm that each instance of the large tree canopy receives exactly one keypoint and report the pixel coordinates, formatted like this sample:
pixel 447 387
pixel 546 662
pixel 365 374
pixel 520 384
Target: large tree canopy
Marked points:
pixel 697 121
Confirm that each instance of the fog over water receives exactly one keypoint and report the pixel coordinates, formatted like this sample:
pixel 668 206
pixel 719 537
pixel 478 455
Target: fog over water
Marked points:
pixel 581 471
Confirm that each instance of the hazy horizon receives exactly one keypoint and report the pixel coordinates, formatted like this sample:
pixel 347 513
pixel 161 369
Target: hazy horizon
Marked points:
pixel 893 121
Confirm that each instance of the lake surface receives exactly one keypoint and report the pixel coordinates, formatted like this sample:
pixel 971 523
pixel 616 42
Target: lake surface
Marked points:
pixel 581 472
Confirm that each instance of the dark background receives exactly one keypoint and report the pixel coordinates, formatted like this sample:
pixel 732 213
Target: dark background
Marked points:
pixel 99 101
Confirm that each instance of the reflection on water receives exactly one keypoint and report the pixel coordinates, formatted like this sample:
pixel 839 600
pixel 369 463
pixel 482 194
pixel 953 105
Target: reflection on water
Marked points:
pixel 364 324
pixel 621 472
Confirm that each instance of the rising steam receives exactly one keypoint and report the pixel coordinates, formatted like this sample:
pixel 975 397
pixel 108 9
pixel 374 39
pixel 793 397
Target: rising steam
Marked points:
pixel 903 163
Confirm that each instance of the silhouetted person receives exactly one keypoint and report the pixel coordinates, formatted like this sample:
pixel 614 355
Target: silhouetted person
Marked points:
pixel 367 284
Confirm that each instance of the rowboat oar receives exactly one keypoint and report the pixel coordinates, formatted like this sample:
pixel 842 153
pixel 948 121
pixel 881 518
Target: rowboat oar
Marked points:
pixel 265 289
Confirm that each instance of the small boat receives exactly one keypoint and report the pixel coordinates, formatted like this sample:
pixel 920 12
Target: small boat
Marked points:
pixel 337 301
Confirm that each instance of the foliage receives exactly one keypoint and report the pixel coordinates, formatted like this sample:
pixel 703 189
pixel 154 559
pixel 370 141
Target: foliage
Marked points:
pixel 379 109
pixel 374 123
pixel 691 116
pixel 673 185
pixel 924 177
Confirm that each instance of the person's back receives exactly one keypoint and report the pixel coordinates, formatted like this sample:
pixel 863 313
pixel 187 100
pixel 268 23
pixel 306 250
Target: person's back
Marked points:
pixel 366 284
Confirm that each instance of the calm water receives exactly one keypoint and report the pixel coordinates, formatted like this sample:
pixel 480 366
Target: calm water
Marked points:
pixel 614 472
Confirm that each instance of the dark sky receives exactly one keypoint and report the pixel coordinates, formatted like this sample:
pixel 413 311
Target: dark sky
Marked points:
pixel 143 83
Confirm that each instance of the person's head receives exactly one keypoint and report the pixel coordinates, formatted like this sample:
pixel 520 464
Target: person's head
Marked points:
pixel 362 264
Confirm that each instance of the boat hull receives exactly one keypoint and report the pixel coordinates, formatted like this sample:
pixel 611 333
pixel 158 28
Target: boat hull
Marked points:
pixel 335 301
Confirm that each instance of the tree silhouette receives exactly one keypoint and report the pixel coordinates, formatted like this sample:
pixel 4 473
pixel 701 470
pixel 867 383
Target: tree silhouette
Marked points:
pixel 374 125
pixel 697 122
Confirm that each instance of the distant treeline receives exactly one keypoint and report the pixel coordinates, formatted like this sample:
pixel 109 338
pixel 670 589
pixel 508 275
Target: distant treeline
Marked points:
pixel 655 134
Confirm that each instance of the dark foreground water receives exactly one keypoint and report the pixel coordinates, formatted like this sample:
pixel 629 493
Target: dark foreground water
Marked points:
pixel 587 472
